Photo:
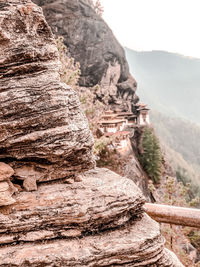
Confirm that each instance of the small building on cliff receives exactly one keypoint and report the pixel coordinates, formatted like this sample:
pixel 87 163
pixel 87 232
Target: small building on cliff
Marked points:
pixel 111 123
pixel 114 124
pixel 142 114
pixel 114 121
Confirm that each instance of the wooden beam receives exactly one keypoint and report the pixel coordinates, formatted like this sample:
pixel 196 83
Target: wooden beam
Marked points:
pixel 174 215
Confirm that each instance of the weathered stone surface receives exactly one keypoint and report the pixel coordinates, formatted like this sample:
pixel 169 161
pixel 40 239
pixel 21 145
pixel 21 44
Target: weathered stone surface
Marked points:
pixel 6 187
pixel 126 246
pixel 43 132
pixel 169 259
pixel 5 194
pixel 91 42
pixel 5 171
pixel 103 200
pixel 96 222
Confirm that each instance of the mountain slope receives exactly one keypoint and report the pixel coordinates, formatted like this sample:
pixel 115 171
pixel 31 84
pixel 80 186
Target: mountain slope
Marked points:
pixel 168 82
pixel 179 141
pixel 179 134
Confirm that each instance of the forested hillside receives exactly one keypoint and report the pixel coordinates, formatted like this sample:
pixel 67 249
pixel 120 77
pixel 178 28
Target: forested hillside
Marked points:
pixel 179 139
pixel 179 134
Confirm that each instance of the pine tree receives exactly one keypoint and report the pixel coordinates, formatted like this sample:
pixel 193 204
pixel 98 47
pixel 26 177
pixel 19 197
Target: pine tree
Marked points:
pixel 150 156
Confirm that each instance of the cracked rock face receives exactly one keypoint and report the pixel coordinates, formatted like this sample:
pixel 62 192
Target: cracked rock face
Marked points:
pixel 96 222
pixel 44 135
pixel 89 39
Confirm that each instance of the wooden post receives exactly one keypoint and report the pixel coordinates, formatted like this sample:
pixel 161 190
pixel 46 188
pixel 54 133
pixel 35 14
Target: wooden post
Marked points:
pixel 173 215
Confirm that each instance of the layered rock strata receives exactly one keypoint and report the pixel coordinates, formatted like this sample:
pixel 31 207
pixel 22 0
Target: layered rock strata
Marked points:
pixel 64 210
pixel 96 222
pixel 44 134
pixel 91 42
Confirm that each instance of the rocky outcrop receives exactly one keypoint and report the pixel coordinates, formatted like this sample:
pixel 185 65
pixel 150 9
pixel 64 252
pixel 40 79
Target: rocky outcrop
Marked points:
pixel 91 42
pixel 75 209
pixel 96 222
pixel 44 134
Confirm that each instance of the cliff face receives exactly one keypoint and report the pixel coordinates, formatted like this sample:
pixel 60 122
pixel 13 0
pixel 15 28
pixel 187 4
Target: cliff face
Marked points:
pixel 91 42
pixel 43 131
pixel 88 38
pixel 93 219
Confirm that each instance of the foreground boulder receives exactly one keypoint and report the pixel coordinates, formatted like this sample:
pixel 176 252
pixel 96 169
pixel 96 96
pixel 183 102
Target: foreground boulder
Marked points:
pixel 96 222
pixel 44 135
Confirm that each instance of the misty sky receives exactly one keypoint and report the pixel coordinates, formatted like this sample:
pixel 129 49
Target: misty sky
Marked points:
pixel 170 25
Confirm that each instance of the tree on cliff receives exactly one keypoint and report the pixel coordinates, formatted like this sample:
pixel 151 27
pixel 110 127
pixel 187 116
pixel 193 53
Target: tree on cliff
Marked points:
pixel 150 154
pixel 97 6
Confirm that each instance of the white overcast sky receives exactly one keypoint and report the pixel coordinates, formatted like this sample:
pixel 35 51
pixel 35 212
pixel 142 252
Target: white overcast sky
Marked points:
pixel 170 25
